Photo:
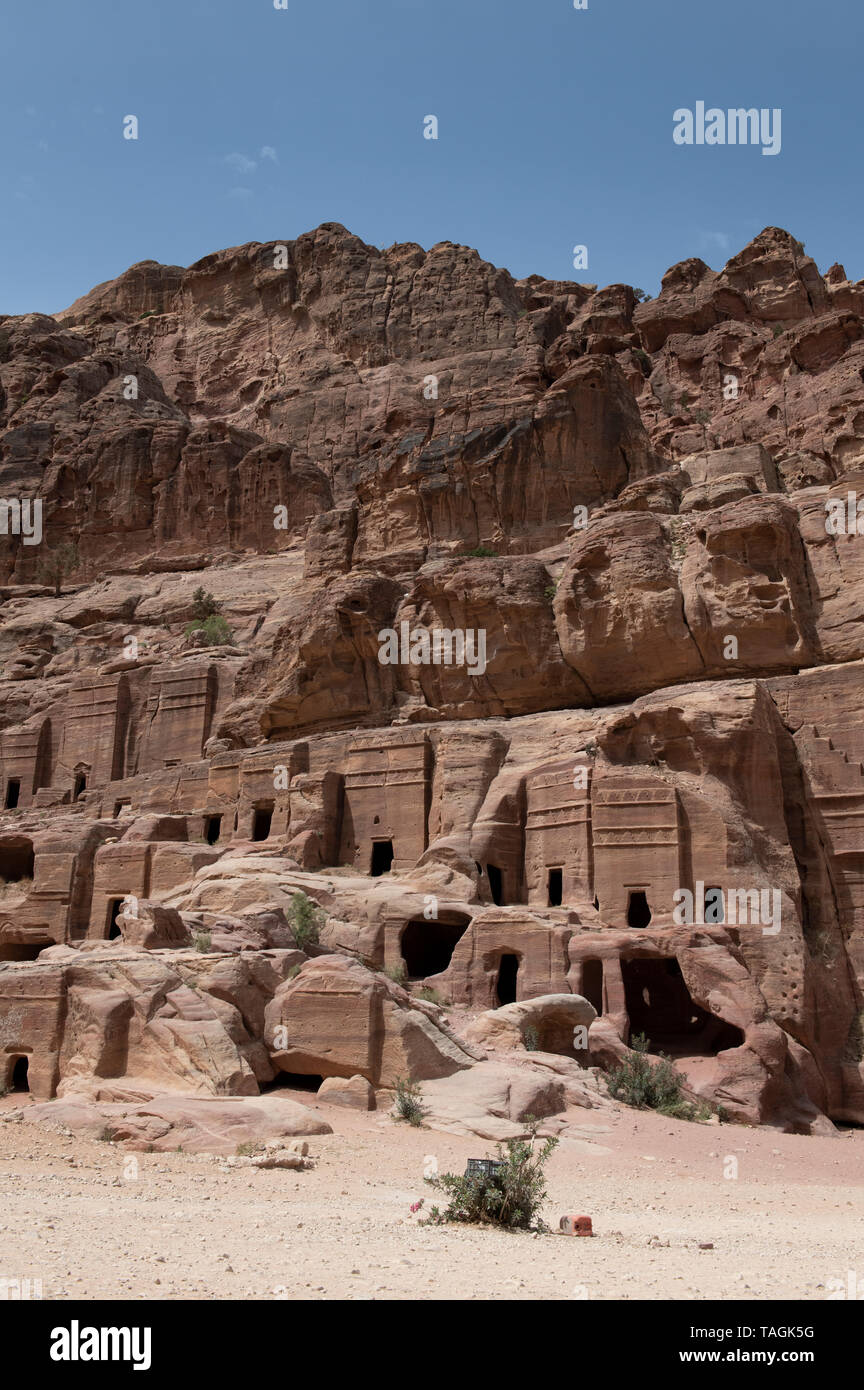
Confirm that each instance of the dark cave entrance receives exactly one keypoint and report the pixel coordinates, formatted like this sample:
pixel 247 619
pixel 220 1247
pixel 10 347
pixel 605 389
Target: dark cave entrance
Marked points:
pixel 114 908
pixel 16 861
pixel 294 1081
pixel 638 911
pixel 427 947
pixel 382 857
pixel 261 822
pixel 496 887
pixel 555 887
pixel 592 983
pixel 17 951
pixel 508 972
pixel 20 1080
pixel 213 829
pixel 660 1005
pixel 13 791
pixel 80 786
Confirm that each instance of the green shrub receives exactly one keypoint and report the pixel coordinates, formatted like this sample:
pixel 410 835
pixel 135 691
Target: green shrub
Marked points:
pixel 648 1085
pixel 409 1104
pixel 293 972
pixel 511 1197
pixel 550 591
pixel 397 973
pixel 207 619
pixel 305 920
pixel 54 566
pixel 778 329
pixel 248 1149
pixel 214 630
pixel 430 996
pixel 482 552
pixel 204 605
pixel 531 1039
pixel 202 941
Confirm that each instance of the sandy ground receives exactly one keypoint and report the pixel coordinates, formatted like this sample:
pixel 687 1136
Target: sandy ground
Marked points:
pixel 75 1215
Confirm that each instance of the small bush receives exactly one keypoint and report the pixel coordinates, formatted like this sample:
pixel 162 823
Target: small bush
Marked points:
pixel 482 552
pixel 644 359
pixel 397 973
pixel 305 920
pixel 293 972
pixel 207 619
pixel 214 630
pixel 511 1197
pixel 531 1039
pixel 430 996
pixel 777 330
pixel 248 1149
pixel 55 565
pixel 409 1104
pixel 202 941
pixel 550 591
pixel 204 605
pixel 642 296
pixel 648 1085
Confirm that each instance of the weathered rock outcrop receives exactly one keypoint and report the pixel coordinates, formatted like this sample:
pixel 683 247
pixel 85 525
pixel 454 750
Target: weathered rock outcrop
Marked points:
pixel 534 619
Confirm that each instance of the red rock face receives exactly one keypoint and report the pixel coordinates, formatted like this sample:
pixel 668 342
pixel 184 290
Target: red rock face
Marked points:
pixel 362 458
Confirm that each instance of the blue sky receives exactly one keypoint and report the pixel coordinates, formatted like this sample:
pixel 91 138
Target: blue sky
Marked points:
pixel 555 129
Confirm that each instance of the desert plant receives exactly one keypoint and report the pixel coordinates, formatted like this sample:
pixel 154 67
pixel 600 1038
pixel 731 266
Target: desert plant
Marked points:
pixel 642 296
pixel 56 564
pixel 249 1148
pixel 644 359
pixel 531 1039
pixel 214 630
pixel 207 619
pixel 409 1103
pixel 202 941
pixel 293 972
pixel 777 330
pixel 305 920
pixel 204 605
pixel 511 1196
pixel 482 552
pixel 397 973
pixel 550 591
pixel 430 996
pixel 648 1085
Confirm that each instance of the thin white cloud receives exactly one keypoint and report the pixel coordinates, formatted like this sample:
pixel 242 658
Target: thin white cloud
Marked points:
pixel 240 193
pixel 720 240
pixel 241 163
pixel 268 152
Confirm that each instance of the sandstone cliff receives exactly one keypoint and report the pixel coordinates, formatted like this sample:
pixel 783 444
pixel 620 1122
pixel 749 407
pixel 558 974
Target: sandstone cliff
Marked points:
pixel 628 500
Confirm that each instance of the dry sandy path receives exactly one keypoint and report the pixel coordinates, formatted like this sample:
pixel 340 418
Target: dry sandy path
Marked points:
pixel 790 1221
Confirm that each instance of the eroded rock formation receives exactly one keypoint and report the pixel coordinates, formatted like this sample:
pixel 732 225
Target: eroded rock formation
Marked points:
pixel 648 793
